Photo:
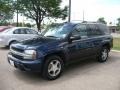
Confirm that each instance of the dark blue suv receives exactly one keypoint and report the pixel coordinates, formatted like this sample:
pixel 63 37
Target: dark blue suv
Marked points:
pixel 60 45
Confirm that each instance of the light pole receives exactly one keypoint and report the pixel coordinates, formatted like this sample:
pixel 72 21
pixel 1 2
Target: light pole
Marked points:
pixel 69 17
pixel 17 13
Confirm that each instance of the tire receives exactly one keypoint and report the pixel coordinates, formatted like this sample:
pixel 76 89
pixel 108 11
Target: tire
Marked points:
pixel 53 68
pixel 103 57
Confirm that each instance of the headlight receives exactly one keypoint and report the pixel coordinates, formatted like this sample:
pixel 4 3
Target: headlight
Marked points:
pixel 30 54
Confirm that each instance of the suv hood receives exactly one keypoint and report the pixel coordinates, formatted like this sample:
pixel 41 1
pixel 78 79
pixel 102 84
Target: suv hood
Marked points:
pixel 38 41
pixel 33 43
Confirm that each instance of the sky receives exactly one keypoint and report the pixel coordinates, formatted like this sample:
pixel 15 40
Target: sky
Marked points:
pixel 93 9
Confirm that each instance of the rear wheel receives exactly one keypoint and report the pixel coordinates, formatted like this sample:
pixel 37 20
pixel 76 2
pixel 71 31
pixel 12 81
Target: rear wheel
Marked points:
pixel 53 67
pixel 103 54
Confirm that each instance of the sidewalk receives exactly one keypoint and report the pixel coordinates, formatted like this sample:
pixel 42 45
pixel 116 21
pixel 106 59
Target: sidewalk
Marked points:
pixel 115 35
pixel 116 51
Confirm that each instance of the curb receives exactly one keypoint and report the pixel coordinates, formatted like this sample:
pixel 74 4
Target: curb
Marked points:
pixel 115 51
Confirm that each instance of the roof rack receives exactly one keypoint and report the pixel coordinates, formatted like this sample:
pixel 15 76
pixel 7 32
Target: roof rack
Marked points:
pixel 81 21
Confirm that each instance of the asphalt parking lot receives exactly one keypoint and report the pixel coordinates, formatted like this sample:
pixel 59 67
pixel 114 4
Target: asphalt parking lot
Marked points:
pixel 86 75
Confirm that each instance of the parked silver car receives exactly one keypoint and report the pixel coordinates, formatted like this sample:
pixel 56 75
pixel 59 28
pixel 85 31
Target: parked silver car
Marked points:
pixel 16 34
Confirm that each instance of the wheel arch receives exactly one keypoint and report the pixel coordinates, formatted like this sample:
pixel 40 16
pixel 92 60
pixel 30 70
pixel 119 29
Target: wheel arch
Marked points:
pixel 61 54
pixel 11 41
pixel 107 45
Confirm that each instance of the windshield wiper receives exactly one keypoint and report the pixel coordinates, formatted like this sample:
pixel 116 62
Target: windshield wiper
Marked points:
pixel 52 36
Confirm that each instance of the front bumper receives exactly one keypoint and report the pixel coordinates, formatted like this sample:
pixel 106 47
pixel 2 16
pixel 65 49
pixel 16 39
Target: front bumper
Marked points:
pixel 29 65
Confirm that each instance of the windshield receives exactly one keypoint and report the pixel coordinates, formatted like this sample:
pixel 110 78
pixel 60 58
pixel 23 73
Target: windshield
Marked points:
pixel 60 31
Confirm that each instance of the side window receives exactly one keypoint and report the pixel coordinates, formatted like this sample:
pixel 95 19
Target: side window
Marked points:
pixel 94 30
pixel 80 30
pixel 22 31
pixel 17 31
pixel 34 32
pixel 104 29
pixel 30 31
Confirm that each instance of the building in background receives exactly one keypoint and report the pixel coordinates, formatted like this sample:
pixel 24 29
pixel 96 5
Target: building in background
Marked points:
pixel 114 29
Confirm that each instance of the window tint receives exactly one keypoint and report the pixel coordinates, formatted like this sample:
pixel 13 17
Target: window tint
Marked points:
pixel 80 30
pixel 33 31
pixel 30 31
pixel 20 31
pixel 94 30
pixel 17 31
pixel 104 29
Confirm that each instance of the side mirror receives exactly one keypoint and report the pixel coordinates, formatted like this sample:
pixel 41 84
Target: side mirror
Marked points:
pixel 75 38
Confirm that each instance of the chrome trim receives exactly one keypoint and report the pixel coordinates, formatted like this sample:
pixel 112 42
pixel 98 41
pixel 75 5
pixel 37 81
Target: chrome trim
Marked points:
pixel 10 56
pixel 18 53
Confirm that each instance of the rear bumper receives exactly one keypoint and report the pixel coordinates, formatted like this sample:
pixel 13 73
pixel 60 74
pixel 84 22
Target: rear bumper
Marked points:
pixel 30 65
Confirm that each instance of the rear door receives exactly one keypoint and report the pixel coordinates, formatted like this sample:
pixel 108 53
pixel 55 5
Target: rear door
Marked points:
pixel 31 33
pixel 95 36
pixel 19 34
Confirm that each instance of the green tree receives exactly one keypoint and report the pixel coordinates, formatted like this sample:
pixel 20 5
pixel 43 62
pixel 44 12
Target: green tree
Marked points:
pixel 6 11
pixel 38 10
pixel 102 20
pixel 20 24
pixel 118 24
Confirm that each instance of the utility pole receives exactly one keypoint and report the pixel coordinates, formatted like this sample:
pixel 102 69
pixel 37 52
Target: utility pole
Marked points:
pixel 17 18
pixel 69 17
pixel 23 20
pixel 17 13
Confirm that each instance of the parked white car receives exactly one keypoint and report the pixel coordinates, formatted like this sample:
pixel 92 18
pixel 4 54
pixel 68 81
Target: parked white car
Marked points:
pixel 16 34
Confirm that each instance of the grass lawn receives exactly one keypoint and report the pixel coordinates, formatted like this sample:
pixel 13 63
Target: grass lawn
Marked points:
pixel 116 43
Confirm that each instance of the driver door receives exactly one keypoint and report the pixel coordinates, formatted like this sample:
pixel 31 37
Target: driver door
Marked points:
pixel 79 48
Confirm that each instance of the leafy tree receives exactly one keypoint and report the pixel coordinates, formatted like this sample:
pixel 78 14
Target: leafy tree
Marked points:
pixel 28 25
pixel 38 10
pixel 6 11
pixel 102 20
pixel 118 24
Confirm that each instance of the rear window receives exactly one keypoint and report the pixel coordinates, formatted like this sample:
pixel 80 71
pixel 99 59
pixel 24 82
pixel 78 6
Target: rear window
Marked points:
pixel 94 30
pixel 104 29
pixel 30 31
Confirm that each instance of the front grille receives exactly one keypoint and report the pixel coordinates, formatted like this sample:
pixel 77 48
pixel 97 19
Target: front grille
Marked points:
pixel 17 49
pixel 17 53
pixel 17 56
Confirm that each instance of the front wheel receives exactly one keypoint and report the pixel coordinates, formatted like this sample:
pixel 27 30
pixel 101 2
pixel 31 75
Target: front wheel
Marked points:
pixel 53 67
pixel 103 55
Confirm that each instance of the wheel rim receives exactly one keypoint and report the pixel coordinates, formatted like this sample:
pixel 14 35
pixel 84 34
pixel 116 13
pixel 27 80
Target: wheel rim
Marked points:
pixel 104 54
pixel 54 68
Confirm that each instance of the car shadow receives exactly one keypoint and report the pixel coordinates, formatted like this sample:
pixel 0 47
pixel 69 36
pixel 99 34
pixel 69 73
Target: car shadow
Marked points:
pixel 4 48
